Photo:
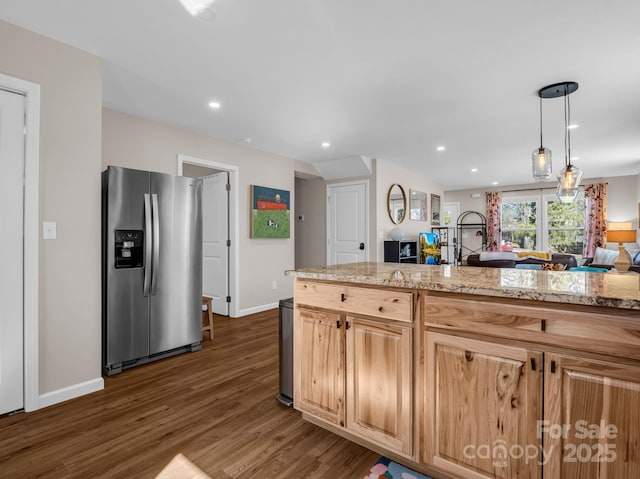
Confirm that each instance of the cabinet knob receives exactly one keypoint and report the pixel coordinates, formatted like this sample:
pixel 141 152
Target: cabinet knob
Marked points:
pixel 338 324
pixel 343 297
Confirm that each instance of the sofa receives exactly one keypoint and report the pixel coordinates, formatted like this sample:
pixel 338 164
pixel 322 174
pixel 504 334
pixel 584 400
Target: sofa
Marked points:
pixel 510 260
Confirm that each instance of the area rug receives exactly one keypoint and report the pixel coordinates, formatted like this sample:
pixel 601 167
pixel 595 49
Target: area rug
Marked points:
pixel 387 469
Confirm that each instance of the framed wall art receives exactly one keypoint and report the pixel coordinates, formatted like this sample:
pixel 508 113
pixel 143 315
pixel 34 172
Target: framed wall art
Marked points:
pixel 435 209
pixel 418 205
pixel 270 212
pixel 429 248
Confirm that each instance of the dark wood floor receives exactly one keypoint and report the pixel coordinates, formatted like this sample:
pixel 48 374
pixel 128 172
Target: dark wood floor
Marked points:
pixel 217 407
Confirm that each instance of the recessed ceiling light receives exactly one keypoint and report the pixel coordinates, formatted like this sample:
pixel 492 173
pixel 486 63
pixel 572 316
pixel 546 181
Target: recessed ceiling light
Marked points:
pixel 214 104
pixel 574 158
pixel 474 170
pixel 199 8
pixel 440 148
pixel 494 183
pixel 325 144
pixel 572 127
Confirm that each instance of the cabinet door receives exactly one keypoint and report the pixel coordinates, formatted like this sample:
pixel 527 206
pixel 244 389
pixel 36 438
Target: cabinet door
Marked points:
pixel 379 383
pixel 482 404
pixel 319 359
pixel 592 419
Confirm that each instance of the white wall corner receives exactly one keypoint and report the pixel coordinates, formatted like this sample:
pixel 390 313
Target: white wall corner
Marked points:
pixel 349 167
pixel 71 392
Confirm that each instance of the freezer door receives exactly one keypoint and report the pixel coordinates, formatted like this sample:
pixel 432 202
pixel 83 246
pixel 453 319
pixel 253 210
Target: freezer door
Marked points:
pixel 126 309
pixel 176 285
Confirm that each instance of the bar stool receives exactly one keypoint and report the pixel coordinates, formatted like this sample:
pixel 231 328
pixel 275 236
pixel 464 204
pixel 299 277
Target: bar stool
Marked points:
pixel 207 316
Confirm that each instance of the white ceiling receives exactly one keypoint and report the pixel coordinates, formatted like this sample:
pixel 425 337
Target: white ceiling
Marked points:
pixel 380 79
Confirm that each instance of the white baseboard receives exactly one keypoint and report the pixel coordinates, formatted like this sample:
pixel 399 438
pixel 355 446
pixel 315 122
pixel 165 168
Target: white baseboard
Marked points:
pixel 70 392
pixel 256 309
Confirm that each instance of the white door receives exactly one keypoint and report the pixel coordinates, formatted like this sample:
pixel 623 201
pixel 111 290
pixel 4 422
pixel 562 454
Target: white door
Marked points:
pixel 347 221
pixel 215 236
pixel 12 128
pixel 450 212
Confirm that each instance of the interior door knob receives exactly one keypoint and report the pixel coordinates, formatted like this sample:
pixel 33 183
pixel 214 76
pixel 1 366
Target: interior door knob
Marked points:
pixel 361 246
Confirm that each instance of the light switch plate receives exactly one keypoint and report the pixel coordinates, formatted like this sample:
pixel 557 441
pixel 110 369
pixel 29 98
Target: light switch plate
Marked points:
pixel 48 230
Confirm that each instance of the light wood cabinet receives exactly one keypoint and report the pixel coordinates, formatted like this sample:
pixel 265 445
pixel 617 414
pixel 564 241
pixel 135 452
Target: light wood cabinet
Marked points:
pixel 591 427
pixel 319 355
pixel 599 332
pixel 377 303
pixel 499 388
pixel 482 400
pixel 586 427
pixel 353 355
pixel 379 383
pixel 357 374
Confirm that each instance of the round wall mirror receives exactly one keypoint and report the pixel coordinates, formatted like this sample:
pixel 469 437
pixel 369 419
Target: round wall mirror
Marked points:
pixel 396 203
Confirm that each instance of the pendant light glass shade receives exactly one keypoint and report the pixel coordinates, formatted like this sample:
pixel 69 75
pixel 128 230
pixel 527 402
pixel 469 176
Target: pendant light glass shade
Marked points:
pixel 568 183
pixel 541 164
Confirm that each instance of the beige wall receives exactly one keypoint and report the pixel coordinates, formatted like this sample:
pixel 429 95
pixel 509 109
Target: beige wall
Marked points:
pixel 69 266
pixel 388 174
pixel 311 234
pixel 134 142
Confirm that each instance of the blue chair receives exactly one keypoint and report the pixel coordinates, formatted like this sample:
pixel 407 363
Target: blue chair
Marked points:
pixel 528 266
pixel 589 269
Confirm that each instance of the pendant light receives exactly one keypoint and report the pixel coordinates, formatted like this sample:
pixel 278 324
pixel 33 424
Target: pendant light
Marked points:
pixel 570 176
pixel 541 157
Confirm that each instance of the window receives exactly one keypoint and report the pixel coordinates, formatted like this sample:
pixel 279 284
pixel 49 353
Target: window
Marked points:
pixel 542 223
pixel 519 220
pixel 565 226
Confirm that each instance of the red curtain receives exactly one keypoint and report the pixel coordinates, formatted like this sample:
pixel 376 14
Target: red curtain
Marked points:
pixel 494 230
pixel 595 224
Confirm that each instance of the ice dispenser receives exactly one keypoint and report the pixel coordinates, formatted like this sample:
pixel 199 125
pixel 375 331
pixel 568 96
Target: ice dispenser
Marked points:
pixel 129 248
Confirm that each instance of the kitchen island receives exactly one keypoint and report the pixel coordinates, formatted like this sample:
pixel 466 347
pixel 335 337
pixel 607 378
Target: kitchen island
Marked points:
pixel 474 372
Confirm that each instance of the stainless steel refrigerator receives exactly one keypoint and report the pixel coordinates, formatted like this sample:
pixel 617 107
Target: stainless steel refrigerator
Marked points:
pixel 151 266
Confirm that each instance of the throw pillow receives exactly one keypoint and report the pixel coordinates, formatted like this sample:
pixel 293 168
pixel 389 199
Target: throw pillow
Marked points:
pixel 554 267
pixel 605 256
pixel 635 257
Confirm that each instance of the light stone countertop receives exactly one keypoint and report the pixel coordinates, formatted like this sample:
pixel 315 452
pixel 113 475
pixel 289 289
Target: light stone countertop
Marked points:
pixel 612 290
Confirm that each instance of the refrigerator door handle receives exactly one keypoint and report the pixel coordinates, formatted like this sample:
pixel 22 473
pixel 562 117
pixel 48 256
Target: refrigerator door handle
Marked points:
pixel 147 244
pixel 156 243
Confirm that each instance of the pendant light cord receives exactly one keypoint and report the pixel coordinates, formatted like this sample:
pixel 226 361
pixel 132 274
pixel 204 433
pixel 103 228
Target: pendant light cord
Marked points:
pixel 568 132
pixel 566 129
pixel 540 122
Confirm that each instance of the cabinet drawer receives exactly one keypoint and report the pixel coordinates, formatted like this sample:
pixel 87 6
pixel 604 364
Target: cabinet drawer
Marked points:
pixel 379 303
pixel 595 332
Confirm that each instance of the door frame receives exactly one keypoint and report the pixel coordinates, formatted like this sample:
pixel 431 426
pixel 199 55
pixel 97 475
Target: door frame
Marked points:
pixel 364 182
pixel 234 226
pixel 31 91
